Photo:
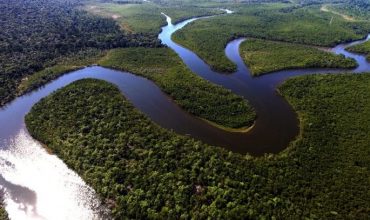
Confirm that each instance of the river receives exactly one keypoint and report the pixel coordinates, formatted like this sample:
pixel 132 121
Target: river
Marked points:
pixel 33 179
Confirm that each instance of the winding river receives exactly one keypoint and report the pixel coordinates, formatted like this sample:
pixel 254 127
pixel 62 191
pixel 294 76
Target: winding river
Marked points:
pixel 32 179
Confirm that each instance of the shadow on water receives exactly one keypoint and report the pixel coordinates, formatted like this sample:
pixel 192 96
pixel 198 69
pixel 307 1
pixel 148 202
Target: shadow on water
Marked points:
pixel 23 196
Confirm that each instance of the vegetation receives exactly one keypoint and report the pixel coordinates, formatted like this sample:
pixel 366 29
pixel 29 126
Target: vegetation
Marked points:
pixel 146 18
pixel 209 3
pixel 329 9
pixel 141 170
pixel 363 48
pixel 264 56
pixel 62 66
pixel 280 22
pixel 32 39
pixel 144 171
pixel 192 93
pixel 360 9
pixel 3 214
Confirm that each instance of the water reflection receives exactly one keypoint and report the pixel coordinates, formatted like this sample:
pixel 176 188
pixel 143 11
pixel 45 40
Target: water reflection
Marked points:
pixel 38 185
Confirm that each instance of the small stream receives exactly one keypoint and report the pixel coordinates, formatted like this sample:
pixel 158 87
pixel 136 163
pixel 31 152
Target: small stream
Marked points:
pixel 33 179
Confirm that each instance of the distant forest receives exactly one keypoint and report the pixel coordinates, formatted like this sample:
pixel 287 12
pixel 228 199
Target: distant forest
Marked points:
pixel 357 7
pixel 36 32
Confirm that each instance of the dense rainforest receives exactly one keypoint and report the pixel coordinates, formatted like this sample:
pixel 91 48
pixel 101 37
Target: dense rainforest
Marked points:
pixel 143 171
pixel 36 32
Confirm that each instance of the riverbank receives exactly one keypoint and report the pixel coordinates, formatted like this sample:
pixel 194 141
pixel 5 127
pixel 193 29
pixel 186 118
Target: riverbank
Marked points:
pixel 63 66
pixel 363 48
pixel 228 129
pixel 194 94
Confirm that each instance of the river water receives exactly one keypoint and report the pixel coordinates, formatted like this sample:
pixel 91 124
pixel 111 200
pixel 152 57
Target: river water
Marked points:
pixel 38 185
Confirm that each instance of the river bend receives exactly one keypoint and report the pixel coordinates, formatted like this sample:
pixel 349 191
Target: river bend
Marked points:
pixel 32 179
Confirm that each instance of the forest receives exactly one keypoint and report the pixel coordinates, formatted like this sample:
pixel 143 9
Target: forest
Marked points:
pixel 143 171
pixel 61 66
pixel 194 94
pixel 209 3
pixel 264 56
pixel 32 39
pixel 30 44
pixel 356 8
pixel 208 37
pixel 146 18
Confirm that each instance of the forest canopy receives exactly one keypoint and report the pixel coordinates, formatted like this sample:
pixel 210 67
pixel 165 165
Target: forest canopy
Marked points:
pixel 144 171
pixel 264 56
pixel 36 32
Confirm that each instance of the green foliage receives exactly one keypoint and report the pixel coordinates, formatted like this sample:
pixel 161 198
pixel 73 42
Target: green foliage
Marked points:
pixel 63 65
pixel 146 18
pixel 144 171
pixel 355 8
pixel 3 214
pixel 190 3
pixel 363 48
pixel 191 92
pixel 280 22
pixel 264 56
pixel 179 13
pixel 208 3
pixel 31 37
